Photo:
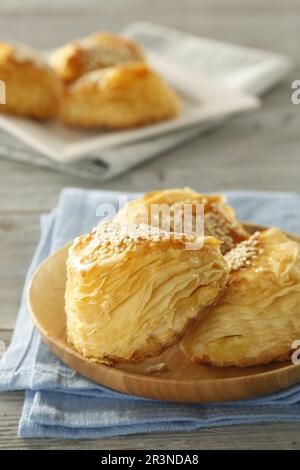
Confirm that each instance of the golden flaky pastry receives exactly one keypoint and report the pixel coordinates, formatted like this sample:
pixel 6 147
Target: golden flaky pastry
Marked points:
pixel 132 292
pixel 258 317
pixel 32 87
pixel 219 218
pixel 123 96
pixel 75 59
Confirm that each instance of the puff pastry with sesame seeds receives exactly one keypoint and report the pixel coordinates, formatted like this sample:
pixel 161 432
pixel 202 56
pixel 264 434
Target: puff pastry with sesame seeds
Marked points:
pixel 219 218
pixel 32 88
pixel 257 319
pixel 100 50
pixel 133 290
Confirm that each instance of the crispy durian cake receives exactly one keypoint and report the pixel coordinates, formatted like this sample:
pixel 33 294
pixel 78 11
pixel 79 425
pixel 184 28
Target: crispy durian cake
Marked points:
pixel 100 50
pixel 257 319
pixel 123 96
pixel 133 290
pixel 32 88
pixel 219 218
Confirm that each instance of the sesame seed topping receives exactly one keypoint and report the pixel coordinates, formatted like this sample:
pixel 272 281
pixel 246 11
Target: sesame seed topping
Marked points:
pixel 112 237
pixel 244 253
pixel 219 226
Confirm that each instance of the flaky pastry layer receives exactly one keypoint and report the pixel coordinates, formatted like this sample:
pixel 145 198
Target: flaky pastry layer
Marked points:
pixel 100 50
pixel 258 317
pixel 219 218
pixel 123 96
pixel 130 295
pixel 32 88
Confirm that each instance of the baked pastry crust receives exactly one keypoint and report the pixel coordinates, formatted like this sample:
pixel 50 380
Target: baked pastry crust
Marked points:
pixel 32 87
pixel 132 290
pixel 123 96
pixel 258 317
pixel 100 50
pixel 219 218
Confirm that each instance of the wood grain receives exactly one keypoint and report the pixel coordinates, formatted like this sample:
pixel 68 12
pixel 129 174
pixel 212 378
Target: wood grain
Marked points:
pixel 257 151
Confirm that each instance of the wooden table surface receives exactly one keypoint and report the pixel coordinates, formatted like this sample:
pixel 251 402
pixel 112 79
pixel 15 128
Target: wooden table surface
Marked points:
pixel 255 151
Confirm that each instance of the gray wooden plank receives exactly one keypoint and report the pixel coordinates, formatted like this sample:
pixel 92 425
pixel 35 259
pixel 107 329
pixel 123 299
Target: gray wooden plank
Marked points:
pixel 233 5
pixel 225 20
pixel 224 7
pixel 19 234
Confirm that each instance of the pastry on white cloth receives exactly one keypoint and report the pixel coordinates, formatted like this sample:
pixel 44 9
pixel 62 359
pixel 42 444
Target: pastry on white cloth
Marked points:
pixel 100 50
pixel 32 89
pixel 121 96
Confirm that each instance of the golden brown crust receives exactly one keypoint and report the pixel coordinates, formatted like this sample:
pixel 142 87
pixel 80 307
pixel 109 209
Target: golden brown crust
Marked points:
pixel 100 50
pixel 123 96
pixel 258 317
pixel 280 356
pixel 219 218
pixel 132 293
pixel 32 88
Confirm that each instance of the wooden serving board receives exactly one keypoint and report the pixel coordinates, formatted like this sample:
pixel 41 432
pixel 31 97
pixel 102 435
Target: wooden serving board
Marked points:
pixel 179 380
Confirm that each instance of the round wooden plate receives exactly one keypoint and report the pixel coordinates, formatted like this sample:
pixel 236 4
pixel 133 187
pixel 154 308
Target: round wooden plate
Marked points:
pixel 171 376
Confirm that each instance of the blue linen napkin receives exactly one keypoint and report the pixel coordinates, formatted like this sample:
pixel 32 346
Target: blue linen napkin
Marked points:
pixel 60 403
